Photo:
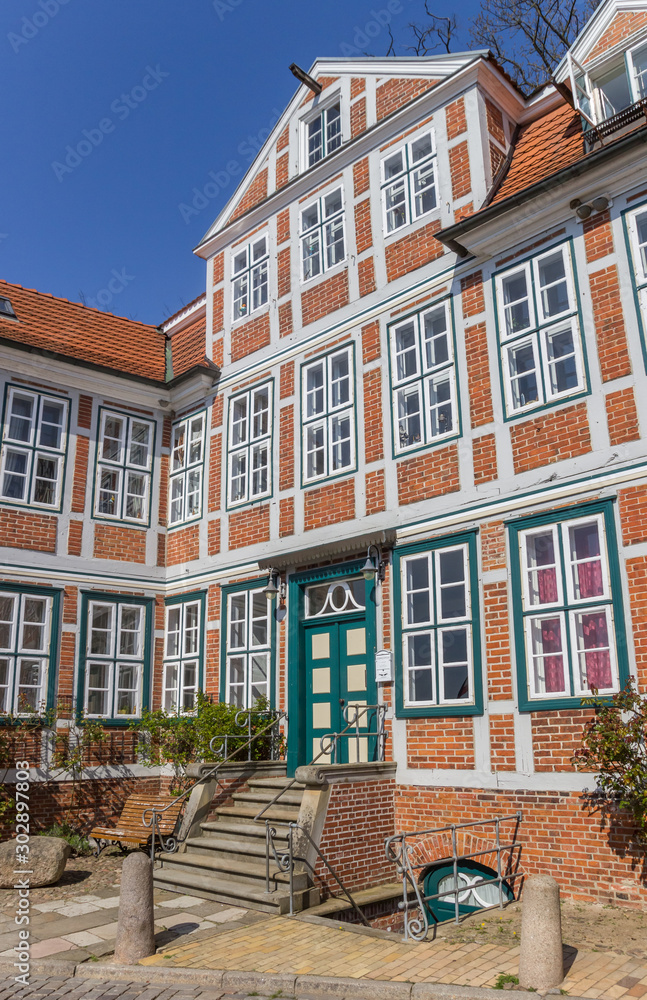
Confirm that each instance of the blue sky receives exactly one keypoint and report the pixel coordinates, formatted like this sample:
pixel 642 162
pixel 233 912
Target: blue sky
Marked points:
pixel 160 94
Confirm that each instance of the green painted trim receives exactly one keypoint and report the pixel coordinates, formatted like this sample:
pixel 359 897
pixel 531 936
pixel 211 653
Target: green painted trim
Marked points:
pixel 62 454
pixel 606 508
pixel 189 416
pixel 225 592
pixel 635 284
pixel 196 595
pixel 536 330
pixel 295 679
pixel 270 493
pixel 438 711
pixel 447 438
pixel 314 483
pixel 104 518
pixel 148 603
pixel 54 633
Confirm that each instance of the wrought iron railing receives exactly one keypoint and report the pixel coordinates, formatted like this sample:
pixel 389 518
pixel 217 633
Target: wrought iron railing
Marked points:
pixel 286 861
pixel 170 844
pixel 377 712
pixel 402 848
pixel 628 116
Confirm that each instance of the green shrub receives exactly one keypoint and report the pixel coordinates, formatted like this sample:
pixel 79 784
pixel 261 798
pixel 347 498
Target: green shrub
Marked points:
pixel 79 844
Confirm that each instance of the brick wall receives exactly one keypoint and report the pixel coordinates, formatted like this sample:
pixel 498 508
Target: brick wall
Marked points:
pixel 120 542
pixel 502 752
pixel 413 251
pixel 556 736
pixel 447 742
pixel 373 436
pixel 256 192
pixel 609 324
pixel 428 475
pixel 375 492
pixel 250 336
pixel 363 230
pixel 497 640
pixel 20 529
pixel 552 437
pixel 484 456
pixel 455 118
pixel 459 168
pixel 183 545
pixel 395 93
pixel 622 416
pixel 366 276
pixel 249 527
pixel 478 375
pixel 622 27
pixel 632 502
pixel 329 504
pixel 324 298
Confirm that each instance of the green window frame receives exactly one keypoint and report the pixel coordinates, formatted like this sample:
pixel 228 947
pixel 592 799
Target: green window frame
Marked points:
pixel 437 636
pixel 115 643
pixel 29 631
pixel 34 446
pixel 188 444
pixel 409 182
pixel 567 599
pixel 124 467
pixel 183 653
pixel 424 384
pixel 249 445
pixel 328 423
pixel 542 355
pixel 248 631
pixel 635 223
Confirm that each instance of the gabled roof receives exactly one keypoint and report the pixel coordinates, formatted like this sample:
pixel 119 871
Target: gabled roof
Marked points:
pixel 596 39
pixel 81 334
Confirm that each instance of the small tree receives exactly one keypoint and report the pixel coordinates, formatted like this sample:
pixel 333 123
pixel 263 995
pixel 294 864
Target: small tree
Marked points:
pixel 614 744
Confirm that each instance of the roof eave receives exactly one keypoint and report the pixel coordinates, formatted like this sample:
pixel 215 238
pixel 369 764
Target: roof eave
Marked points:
pixel 80 362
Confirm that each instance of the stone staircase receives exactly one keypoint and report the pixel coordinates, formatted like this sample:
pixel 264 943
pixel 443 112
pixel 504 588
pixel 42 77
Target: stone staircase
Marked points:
pixel 226 863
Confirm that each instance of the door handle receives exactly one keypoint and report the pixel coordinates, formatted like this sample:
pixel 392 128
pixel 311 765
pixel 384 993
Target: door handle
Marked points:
pixel 342 702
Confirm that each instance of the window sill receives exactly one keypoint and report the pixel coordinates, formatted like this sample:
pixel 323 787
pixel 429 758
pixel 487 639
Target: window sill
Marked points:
pixel 313 483
pixel 542 407
pixel 437 711
pixel 557 704
pixel 410 227
pixel 254 314
pixel 320 278
pixel 425 446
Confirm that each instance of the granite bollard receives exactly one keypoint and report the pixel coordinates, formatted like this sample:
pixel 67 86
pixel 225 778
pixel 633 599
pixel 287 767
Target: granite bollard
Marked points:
pixel 135 932
pixel 541 961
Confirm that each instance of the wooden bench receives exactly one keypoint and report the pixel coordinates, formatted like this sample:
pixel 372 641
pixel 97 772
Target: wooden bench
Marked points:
pixel 130 829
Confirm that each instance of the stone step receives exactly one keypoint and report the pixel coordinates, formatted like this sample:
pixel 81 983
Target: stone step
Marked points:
pixel 275 782
pixel 235 849
pixel 222 890
pixel 247 872
pixel 263 796
pixel 243 829
pixel 245 813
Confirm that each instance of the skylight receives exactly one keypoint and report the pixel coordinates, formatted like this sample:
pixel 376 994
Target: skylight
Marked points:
pixel 6 308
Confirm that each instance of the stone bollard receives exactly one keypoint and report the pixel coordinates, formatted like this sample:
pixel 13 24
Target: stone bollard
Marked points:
pixel 135 934
pixel 541 961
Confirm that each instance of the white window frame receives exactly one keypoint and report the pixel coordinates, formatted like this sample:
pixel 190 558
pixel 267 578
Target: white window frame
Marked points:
pixel 249 446
pixel 405 178
pixel 123 468
pixel 250 264
pixel 32 450
pixel 536 333
pixel 328 417
pixel 185 469
pixel 247 649
pixel 16 654
pixel 185 654
pixel 589 100
pixel 436 626
pixel 566 608
pixel 320 113
pixel 639 260
pixel 423 378
pixel 321 230
pixel 114 659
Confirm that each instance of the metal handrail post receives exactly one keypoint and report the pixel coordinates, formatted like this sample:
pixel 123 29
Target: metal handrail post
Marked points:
pixel 267 855
pixel 455 854
pixel 291 873
pixel 498 864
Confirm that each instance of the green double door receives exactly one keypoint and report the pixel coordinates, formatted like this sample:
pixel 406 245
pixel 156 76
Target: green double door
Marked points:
pixel 338 674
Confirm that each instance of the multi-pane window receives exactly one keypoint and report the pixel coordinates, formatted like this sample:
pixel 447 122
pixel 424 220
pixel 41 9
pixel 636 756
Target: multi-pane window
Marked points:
pixel 638 236
pixel 539 332
pixel 182 645
pixel 437 627
pixel 248 647
pixel 25 626
pixel 423 378
pixel 328 416
pixel 33 448
pixel 187 461
pixel 250 430
pixel 409 186
pixel 124 462
pixel 250 277
pixel 323 134
pixel 616 85
pixel 565 608
pixel 323 244
pixel 114 659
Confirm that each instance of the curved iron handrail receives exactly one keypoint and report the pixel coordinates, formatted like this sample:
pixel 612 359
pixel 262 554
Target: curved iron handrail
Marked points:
pixel 153 822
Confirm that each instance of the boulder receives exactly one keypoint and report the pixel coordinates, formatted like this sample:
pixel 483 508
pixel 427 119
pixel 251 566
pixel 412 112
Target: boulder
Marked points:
pixel 47 858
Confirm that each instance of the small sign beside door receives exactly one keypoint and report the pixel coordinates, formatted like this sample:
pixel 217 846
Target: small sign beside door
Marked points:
pixel 383 665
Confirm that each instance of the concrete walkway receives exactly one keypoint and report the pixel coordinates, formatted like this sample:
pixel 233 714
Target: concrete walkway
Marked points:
pixel 313 946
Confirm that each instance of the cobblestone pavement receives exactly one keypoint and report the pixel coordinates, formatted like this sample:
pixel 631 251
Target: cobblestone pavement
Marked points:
pixel 70 988
pixel 309 945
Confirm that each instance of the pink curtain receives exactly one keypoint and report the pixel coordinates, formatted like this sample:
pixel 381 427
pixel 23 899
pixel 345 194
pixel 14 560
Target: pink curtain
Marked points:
pixel 594 634
pixel 589 578
pixel 551 641
pixel 547 585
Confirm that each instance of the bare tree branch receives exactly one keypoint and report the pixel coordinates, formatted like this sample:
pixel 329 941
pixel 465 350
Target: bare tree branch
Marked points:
pixel 437 33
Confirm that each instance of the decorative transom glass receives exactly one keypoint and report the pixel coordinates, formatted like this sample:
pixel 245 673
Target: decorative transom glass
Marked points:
pixel 341 597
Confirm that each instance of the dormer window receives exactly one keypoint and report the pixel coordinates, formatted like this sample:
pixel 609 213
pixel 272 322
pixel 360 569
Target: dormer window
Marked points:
pixel 322 133
pixel 607 90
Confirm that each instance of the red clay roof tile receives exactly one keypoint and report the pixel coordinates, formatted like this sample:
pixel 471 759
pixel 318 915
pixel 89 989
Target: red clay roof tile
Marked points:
pixel 188 347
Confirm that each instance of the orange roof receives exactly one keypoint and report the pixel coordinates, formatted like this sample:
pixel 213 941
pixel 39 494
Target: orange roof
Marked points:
pixel 188 348
pixel 85 334
pixel 542 148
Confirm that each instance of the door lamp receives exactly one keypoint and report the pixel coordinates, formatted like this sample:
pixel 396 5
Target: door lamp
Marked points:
pixel 374 565
pixel 271 591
